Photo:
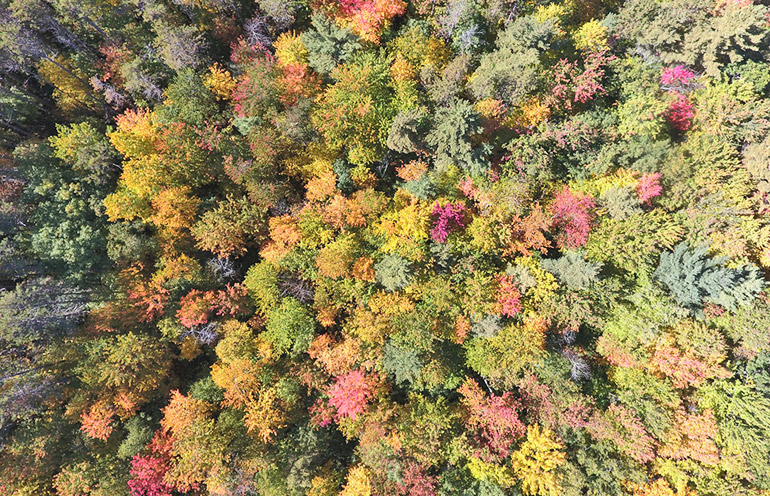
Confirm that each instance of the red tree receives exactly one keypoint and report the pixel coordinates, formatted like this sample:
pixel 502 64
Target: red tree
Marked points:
pixel 493 419
pixel 148 471
pixel 196 307
pixel 680 113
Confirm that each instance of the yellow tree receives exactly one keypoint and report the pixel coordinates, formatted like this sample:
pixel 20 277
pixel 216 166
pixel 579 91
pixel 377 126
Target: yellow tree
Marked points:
pixel 158 156
pixel 536 461
pixel 71 89
pixel 241 377
pixel 358 483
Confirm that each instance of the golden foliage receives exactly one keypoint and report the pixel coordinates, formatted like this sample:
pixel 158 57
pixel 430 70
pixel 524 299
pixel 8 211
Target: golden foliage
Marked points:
pixel 401 70
pixel 182 412
pixel 174 209
pixel 591 36
pixel 358 483
pixel 405 230
pixel 71 90
pixel 264 415
pixel 363 269
pixel 289 49
pixel 536 461
pixel 660 488
pixel 189 349
pixel 482 470
pixel 334 260
pixel 220 82
pixel 336 357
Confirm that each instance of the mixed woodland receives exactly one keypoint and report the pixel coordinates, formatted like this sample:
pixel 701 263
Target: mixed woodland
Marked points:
pixel 384 248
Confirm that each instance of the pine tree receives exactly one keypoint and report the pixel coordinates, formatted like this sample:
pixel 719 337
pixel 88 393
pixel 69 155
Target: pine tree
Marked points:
pixel 695 279
pixel 392 272
pixel 451 136
pixel 328 45
pixel 573 270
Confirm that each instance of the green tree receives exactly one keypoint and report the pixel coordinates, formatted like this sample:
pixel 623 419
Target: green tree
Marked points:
pixel 356 111
pixel 328 45
pixel 290 327
pixel 513 69
pixel 392 272
pixel 573 270
pixel 451 138
pixel 69 231
pixel 742 415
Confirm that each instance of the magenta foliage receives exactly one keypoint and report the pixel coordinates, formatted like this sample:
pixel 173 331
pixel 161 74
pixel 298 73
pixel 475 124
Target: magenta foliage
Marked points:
pixel 147 477
pixel 680 113
pixel 648 187
pixel 572 218
pixel 677 75
pixel 448 216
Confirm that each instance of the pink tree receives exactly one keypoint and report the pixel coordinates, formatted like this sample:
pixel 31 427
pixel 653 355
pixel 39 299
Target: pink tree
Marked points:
pixel 648 187
pixel 571 84
pixel 350 394
pixel 619 425
pixel 675 76
pixel 415 481
pixel 572 218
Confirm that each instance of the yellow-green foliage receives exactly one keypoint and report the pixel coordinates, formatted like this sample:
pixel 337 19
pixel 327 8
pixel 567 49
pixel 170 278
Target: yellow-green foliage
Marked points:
pixel 596 187
pixel 591 36
pixel 544 289
pixel 504 356
pixel 265 247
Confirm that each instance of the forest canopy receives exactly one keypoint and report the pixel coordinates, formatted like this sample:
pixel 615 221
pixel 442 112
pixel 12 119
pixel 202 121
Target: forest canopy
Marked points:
pixel 384 248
